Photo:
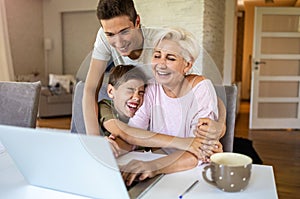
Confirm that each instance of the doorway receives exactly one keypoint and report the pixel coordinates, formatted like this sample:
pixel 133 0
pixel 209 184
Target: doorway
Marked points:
pixel 275 82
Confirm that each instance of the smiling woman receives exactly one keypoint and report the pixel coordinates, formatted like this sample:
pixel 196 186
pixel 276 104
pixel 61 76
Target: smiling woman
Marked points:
pixel 6 68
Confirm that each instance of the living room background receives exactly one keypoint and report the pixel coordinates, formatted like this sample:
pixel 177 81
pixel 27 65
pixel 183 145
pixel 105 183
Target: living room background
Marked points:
pixel 30 22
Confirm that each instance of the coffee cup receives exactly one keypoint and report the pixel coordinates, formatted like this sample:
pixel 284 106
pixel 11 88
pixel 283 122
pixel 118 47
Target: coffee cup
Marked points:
pixel 230 172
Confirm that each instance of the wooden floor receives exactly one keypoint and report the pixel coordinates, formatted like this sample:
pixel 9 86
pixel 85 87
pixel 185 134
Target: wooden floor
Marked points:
pixel 280 149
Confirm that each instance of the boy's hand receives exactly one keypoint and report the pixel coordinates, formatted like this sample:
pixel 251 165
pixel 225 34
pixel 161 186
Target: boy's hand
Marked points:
pixel 200 147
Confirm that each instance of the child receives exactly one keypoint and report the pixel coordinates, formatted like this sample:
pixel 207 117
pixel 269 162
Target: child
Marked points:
pixel 126 87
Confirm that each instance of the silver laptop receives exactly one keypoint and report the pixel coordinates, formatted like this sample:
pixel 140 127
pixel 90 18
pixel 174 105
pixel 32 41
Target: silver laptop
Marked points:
pixel 73 163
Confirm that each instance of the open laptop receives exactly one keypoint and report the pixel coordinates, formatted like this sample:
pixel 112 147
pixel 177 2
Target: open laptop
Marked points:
pixel 73 163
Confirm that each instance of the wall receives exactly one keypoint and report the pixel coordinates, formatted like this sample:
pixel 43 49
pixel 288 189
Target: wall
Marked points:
pixel 158 13
pixel 25 28
pixel 213 27
pixel 52 11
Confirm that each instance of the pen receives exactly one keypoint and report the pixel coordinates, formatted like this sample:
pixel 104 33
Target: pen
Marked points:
pixel 188 189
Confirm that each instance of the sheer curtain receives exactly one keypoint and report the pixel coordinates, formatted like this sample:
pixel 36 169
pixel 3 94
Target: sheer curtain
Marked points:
pixel 6 66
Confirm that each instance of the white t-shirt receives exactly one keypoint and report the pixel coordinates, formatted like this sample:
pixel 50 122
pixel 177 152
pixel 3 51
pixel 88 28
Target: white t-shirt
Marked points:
pixel 104 51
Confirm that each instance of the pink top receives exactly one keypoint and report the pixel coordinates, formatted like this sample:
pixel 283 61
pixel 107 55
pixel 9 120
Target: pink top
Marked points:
pixel 176 116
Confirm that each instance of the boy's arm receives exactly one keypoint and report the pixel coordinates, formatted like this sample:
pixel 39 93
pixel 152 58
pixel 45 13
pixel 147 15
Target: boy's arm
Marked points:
pixel 90 96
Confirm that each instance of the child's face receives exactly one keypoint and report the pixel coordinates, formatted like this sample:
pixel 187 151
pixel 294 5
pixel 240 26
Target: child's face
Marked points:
pixel 128 97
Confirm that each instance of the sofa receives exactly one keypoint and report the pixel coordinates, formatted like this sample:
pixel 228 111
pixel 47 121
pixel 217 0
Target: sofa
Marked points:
pixel 53 105
pixel 56 98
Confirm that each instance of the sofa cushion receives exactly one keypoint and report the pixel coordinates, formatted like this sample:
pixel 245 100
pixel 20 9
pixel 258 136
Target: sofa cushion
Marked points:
pixel 66 81
pixel 65 98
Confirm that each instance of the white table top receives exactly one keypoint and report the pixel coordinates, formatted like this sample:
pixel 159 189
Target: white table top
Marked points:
pixel 261 185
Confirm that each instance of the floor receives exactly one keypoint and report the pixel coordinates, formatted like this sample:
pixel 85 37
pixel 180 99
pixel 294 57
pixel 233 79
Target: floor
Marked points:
pixel 280 149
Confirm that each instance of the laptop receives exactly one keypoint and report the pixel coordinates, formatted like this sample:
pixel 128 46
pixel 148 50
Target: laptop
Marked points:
pixel 72 163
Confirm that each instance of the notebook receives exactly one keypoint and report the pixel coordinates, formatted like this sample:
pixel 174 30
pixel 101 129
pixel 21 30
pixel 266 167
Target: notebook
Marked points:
pixel 72 163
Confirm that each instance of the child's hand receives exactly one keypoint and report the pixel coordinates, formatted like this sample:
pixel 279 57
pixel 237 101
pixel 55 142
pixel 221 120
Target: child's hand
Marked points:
pixel 218 148
pixel 197 146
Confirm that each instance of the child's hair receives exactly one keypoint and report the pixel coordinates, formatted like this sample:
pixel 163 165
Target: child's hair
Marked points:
pixel 108 9
pixel 122 73
pixel 185 39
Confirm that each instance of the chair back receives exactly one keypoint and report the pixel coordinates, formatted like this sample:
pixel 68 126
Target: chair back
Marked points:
pixel 19 103
pixel 228 94
pixel 77 121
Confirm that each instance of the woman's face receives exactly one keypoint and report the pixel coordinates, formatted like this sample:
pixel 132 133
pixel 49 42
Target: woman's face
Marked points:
pixel 128 97
pixel 168 66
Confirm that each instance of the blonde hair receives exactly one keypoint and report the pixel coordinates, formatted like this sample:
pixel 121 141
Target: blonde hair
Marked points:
pixel 185 39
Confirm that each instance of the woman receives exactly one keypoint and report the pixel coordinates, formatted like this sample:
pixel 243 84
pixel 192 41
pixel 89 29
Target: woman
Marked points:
pixel 173 104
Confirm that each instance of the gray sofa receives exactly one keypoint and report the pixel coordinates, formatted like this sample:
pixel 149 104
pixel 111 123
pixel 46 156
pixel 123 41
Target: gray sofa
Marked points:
pixel 54 104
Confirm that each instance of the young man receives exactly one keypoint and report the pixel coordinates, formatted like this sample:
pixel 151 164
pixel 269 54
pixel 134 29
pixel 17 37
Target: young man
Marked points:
pixel 122 39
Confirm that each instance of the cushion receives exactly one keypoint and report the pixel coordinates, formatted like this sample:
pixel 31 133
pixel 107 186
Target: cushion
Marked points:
pixel 66 81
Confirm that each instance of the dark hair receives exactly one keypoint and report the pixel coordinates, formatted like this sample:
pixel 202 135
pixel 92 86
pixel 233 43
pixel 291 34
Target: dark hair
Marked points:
pixel 108 9
pixel 122 73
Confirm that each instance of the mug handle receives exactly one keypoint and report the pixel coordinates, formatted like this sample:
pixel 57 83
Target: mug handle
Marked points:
pixel 204 174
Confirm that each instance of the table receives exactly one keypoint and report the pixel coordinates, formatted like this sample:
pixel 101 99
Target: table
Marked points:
pixel 261 185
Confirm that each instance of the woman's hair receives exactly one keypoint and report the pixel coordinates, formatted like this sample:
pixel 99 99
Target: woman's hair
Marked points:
pixel 108 9
pixel 186 40
pixel 122 73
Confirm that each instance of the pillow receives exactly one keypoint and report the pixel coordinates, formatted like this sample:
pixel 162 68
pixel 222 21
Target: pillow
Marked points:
pixel 64 80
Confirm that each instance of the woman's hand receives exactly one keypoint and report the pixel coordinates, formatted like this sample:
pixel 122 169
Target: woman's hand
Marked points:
pixel 138 170
pixel 117 146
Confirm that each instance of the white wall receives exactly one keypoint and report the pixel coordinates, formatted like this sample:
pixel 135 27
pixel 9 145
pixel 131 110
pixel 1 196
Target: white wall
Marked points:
pixel 52 10
pixel 25 29
pixel 160 13
pixel 230 42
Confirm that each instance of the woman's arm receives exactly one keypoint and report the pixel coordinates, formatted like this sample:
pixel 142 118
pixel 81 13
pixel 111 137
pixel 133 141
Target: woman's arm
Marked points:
pixel 146 138
pixel 177 161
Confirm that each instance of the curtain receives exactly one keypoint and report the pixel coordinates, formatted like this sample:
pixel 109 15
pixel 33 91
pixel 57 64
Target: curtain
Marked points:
pixel 6 66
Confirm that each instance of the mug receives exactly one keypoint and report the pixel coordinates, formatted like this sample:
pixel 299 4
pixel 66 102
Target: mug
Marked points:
pixel 230 172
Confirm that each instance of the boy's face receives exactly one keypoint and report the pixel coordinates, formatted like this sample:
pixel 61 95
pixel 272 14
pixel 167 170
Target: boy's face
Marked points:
pixel 128 97
pixel 122 34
